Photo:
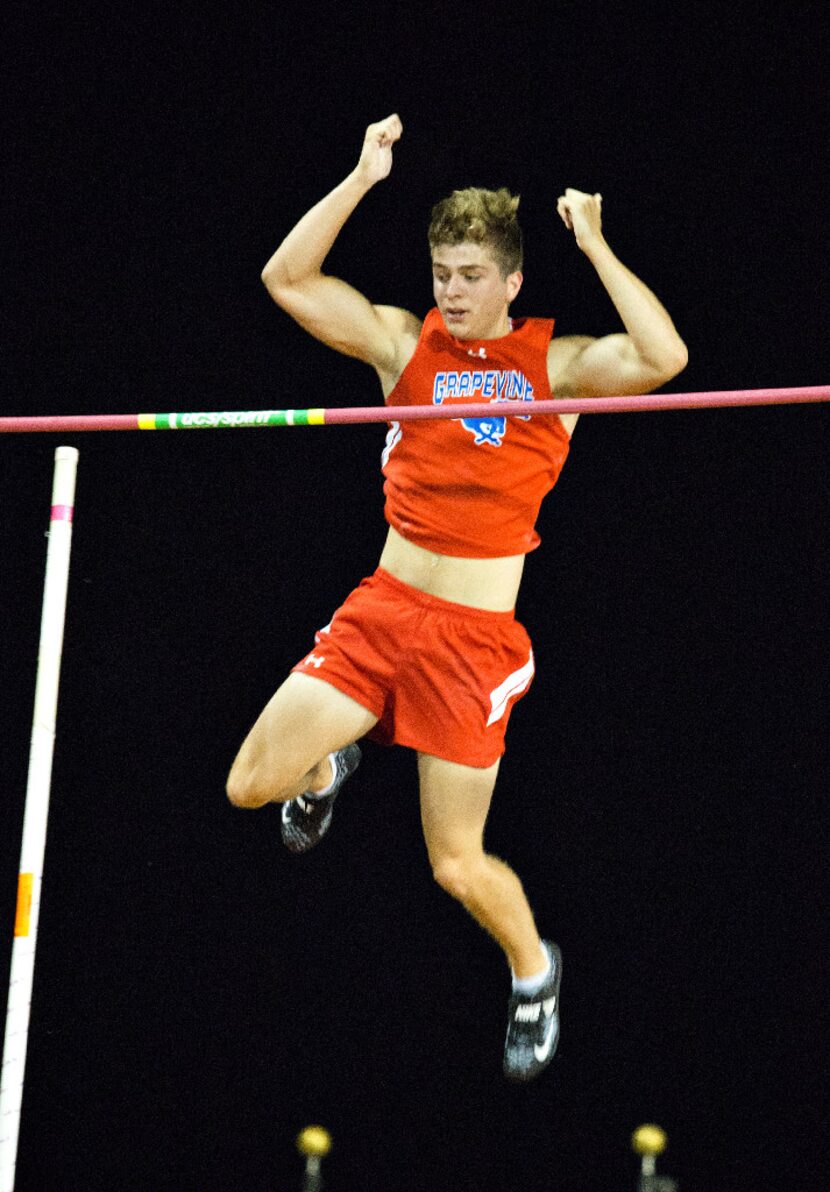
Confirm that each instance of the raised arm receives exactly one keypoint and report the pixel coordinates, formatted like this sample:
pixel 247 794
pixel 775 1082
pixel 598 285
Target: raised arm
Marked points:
pixel 648 354
pixel 325 306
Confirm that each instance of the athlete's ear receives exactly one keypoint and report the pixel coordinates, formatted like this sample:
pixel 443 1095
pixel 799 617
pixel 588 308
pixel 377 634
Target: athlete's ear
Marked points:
pixel 513 282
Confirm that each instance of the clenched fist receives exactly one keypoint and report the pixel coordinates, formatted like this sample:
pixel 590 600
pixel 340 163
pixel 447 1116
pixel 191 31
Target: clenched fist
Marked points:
pixel 582 213
pixel 376 156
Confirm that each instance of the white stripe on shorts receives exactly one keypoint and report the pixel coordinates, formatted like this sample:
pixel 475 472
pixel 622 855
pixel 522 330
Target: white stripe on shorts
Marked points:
pixel 393 437
pixel 513 685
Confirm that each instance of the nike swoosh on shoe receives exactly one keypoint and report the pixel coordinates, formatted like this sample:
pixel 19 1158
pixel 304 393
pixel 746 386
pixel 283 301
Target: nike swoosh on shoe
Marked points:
pixel 542 1050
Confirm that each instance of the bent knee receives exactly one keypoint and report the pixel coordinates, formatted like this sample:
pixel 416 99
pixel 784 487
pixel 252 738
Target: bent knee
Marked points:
pixel 245 789
pixel 456 873
pixel 239 790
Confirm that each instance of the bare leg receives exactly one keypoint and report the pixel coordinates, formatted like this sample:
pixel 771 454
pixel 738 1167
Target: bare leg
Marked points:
pixel 454 804
pixel 286 752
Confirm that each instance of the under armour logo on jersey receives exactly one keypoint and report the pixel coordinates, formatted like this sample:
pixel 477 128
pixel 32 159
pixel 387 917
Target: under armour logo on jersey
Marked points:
pixel 477 352
pixel 315 660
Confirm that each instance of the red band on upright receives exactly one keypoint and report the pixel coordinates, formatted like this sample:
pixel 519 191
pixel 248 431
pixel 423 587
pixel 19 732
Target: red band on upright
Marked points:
pixel 62 513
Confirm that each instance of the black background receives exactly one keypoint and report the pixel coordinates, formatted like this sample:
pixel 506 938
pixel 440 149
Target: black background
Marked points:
pixel 200 995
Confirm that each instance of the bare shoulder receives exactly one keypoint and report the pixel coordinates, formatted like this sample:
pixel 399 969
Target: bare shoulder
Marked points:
pixel 562 374
pixel 562 356
pixel 401 324
pixel 404 329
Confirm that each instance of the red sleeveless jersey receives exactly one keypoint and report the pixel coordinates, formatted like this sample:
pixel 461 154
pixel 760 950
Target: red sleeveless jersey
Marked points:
pixel 473 486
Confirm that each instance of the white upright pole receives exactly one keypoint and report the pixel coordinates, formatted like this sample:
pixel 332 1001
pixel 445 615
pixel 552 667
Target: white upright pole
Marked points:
pixel 36 811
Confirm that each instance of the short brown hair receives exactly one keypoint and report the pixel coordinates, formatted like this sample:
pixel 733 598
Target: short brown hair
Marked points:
pixel 481 216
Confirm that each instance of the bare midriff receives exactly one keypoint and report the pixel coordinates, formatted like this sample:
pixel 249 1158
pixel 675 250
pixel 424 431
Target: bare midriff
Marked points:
pixel 481 583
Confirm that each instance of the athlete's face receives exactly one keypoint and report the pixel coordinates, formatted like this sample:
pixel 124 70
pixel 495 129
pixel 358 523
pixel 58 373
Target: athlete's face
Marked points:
pixel 470 292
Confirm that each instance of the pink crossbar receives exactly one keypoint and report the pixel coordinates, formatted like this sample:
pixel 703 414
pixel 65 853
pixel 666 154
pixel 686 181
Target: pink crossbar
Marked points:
pixel 338 416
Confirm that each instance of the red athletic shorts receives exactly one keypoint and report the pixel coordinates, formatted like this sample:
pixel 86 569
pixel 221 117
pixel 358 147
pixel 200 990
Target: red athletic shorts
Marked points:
pixel 441 677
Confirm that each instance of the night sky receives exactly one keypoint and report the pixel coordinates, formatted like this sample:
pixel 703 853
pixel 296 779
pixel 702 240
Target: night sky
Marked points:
pixel 200 994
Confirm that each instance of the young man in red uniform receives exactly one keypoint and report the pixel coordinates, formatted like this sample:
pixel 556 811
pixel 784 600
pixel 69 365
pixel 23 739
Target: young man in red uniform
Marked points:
pixel 426 652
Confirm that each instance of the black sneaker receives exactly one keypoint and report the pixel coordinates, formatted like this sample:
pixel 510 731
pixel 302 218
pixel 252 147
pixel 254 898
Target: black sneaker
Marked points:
pixel 533 1024
pixel 306 819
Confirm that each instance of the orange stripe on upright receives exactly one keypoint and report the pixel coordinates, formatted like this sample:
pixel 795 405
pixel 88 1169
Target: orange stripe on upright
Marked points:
pixel 22 919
